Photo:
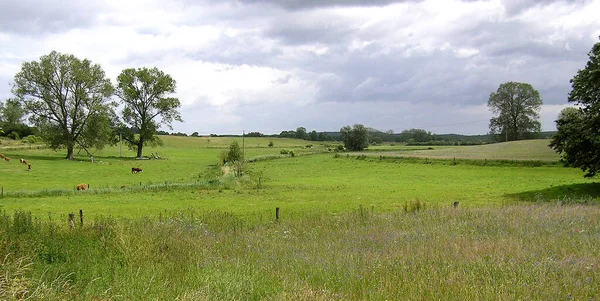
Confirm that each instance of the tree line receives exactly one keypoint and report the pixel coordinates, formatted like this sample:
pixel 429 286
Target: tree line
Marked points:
pixel 70 103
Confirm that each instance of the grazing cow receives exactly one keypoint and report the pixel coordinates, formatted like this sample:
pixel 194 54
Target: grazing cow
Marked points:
pixel 1 156
pixel 81 186
pixel 21 160
pixel 24 161
pixel 6 159
pixel 136 170
pixel 28 166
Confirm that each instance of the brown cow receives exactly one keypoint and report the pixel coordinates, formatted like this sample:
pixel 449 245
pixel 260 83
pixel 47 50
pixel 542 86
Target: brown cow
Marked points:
pixel 136 170
pixel 28 166
pixel 24 161
pixel 6 159
pixel 81 186
pixel 1 156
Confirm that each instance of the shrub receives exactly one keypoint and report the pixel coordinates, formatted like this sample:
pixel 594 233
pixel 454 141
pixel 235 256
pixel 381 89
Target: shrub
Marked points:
pixel 271 144
pixel 14 136
pixel 284 151
pixel 413 206
pixel 340 148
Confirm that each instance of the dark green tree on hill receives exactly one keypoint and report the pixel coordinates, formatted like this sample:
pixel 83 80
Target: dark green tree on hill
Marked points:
pixel 68 100
pixel 578 137
pixel 517 106
pixel 356 138
pixel 146 96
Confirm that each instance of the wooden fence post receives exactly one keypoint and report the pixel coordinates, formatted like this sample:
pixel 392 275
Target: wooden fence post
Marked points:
pixel 72 220
pixel 277 213
pixel 81 217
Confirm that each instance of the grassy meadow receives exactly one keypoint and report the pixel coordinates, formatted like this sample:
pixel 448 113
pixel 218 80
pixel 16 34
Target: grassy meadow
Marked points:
pixel 374 225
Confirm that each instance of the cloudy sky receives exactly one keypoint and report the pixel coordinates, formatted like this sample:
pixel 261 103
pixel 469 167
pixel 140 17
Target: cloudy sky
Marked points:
pixel 273 65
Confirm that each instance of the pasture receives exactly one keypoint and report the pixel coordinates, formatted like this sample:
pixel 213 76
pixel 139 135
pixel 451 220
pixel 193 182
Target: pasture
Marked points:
pixel 352 226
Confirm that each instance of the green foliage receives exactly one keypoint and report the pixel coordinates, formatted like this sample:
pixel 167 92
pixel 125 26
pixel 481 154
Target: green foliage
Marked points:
pixel 145 94
pixel 63 94
pixel 518 106
pixel 32 139
pixel 11 113
pixel 13 136
pixel 313 136
pixel 301 133
pixel 234 154
pixel 414 135
pixel 578 137
pixel 271 144
pixel 355 138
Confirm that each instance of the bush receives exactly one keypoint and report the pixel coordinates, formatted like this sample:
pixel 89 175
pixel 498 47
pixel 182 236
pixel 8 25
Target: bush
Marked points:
pixel 32 139
pixel 340 148
pixel 14 136
pixel 284 151
pixel 413 206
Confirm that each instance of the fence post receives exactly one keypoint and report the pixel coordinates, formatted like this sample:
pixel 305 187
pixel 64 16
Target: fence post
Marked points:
pixel 277 213
pixel 72 220
pixel 81 217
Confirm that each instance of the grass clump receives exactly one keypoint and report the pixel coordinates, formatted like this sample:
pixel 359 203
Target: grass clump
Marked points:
pixel 413 206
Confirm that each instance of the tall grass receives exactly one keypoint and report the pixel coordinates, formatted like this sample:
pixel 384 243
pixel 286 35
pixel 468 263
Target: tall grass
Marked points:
pixel 508 253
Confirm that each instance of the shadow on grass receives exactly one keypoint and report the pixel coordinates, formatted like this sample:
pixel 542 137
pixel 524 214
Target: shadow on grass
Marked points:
pixel 573 193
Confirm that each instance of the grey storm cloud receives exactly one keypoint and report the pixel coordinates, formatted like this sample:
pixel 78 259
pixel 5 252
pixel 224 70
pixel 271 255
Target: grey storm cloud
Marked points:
pixel 335 67
pixel 308 4
pixel 33 17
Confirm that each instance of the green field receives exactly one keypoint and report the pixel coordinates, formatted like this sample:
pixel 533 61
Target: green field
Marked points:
pixel 313 181
pixel 373 225
pixel 514 150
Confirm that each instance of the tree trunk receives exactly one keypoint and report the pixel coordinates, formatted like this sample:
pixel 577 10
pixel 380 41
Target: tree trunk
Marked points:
pixel 70 148
pixel 139 148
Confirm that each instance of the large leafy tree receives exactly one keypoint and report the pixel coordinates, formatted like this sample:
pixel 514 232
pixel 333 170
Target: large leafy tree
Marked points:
pixel 11 113
pixel 578 137
pixel 65 97
pixel 517 106
pixel 356 138
pixel 146 96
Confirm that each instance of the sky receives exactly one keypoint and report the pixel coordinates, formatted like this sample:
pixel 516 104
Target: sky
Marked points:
pixel 273 65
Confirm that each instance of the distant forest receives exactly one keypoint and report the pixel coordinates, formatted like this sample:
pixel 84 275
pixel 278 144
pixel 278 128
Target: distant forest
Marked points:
pixel 409 137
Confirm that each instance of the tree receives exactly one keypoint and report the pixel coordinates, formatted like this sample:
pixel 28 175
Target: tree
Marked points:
pixel 356 138
pixel 65 96
pixel 518 106
pixel 195 134
pixel 301 133
pixel 11 113
pixel 234 154
pixel 578 137
pixel 313 136
pixel 145 94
